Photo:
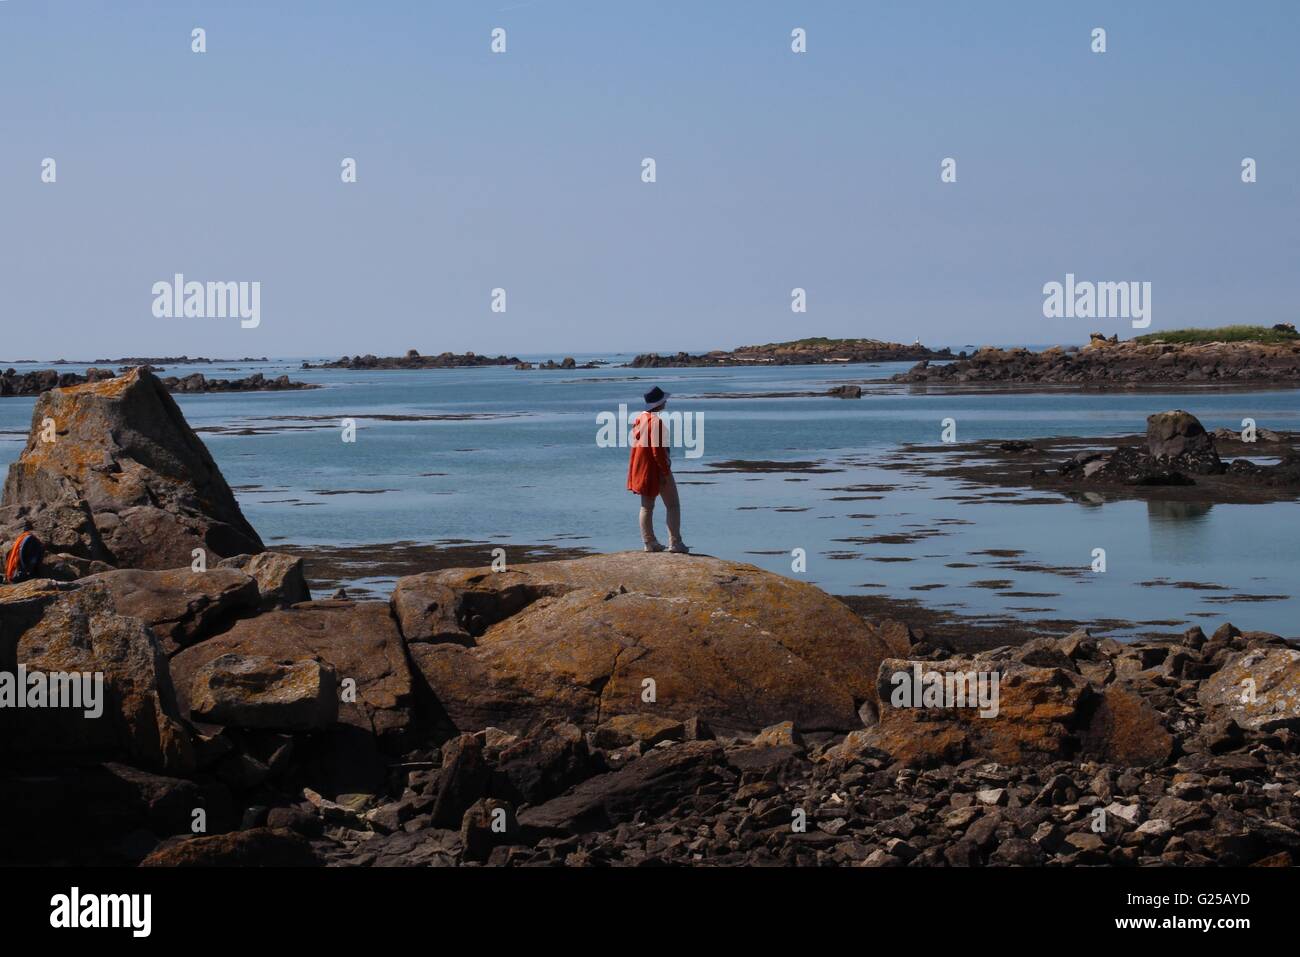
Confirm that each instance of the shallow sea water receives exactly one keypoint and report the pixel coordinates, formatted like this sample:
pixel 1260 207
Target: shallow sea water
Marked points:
pixel 505 457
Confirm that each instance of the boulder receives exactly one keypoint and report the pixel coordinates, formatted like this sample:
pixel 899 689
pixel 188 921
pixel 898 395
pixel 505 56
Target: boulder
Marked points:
pixel 95 814
pixel 357 640
pixel 65 526
pixel 49 627
pixel 1259 688
pixel 1043 714
pixel 644 729
pixel 649 785
pixel 1035 708
pixel 63 567
pixel 544 764
pixel 1123 729
pixel 122 447
pixel 465 778
pixel 253 692
pixel 1177 433
pixel 180 605
pixel 279 577
pixel 256 847
pixel 488 823
pixel 677 636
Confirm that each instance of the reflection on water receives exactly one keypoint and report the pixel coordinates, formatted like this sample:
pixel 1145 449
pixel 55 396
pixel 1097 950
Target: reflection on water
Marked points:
pixel 1178 512
pixel 1181 532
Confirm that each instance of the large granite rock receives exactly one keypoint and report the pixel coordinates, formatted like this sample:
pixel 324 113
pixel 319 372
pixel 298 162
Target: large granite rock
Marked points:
pixel 1042 714
pixel 49 628
pixel 1258 688
pixel 681 636
pixel 181 606
pixel 66 526
pixel 280 579
pixel 358 641
pixel 123 448
pixel 1176 433
pixel 253 692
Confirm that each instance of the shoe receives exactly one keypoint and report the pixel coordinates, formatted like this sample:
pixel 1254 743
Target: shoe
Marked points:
pixel 679 548
pixel 653 547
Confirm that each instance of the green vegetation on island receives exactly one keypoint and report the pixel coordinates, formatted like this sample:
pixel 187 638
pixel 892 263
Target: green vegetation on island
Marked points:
pixel 1282 332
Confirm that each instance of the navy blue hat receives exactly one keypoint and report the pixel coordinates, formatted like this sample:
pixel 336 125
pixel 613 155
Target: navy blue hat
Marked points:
pixel 655 397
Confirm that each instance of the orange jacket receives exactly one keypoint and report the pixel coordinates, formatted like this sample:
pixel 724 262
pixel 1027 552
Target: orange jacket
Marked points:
pixel 649 455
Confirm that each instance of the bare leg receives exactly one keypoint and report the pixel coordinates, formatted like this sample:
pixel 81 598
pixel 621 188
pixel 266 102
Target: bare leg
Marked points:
pixel 648 522
pixel 673 506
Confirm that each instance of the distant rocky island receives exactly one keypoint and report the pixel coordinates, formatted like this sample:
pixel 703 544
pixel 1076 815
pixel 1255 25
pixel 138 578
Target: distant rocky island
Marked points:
pixel 414 360
pixel 568 362
pixel 1233 356
pixel 15 383
pixel 814 351
pixel 156 361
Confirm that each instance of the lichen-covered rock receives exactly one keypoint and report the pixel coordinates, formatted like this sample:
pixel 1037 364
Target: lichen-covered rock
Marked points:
pixel 358 640
pixel 123 448
pixel 64 526
pixel 644 729
pixel 254 692
pixel 1259 688
pixel 673 635
pixel 1039 714
pixel 50 628
pixel 280 578
pixel 180 605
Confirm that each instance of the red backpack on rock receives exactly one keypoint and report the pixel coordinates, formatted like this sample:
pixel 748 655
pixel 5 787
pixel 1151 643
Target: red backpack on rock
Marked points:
pixel 24 558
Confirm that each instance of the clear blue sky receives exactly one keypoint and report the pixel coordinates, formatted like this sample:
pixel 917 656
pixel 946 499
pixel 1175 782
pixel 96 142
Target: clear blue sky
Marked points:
pixel 522 170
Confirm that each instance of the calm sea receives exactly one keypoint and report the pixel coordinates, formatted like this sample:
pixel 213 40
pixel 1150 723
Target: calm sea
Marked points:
pixel 506 457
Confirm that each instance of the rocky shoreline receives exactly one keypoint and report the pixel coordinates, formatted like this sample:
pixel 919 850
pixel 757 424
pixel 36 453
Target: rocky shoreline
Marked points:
pixel 414 360
pixel 1110 364
pixel 629 709
pixel 14 383
pixel 157 361
pixel 1176 460
pixel 799 352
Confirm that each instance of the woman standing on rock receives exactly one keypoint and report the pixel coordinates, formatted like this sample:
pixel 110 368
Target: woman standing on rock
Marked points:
pixel 650 474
